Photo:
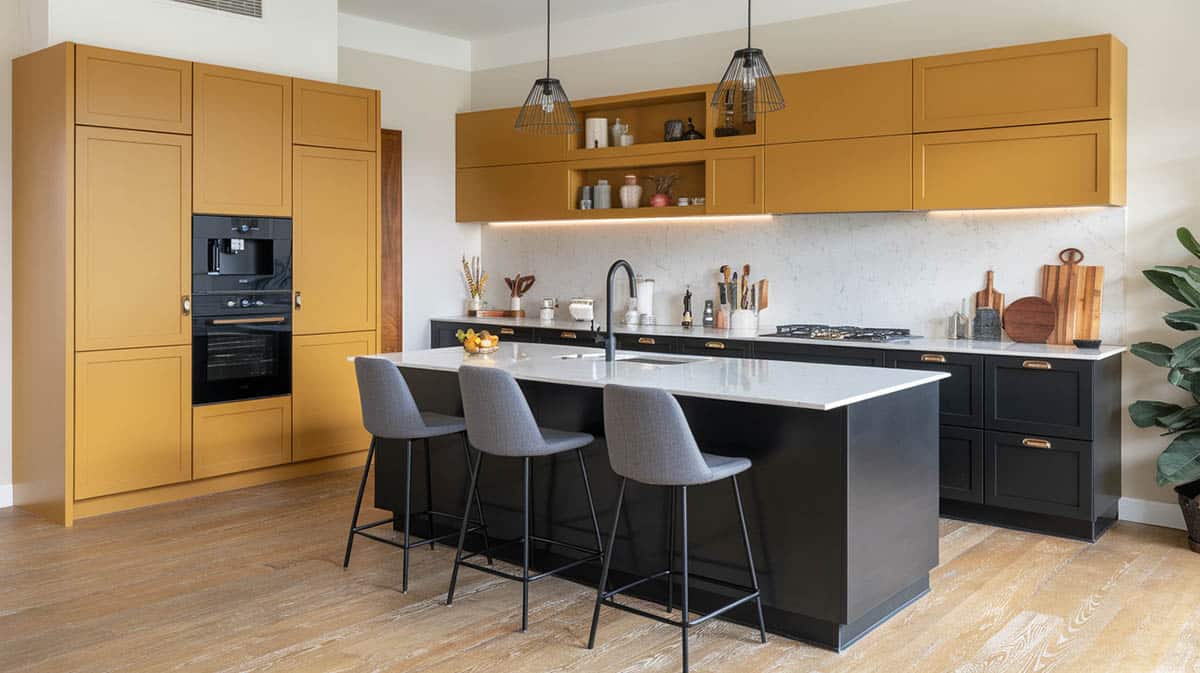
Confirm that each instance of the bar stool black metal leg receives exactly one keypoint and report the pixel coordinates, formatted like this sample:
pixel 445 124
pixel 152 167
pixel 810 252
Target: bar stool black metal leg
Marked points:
pixel 671 550
pixel 602 588
pixel 525 552
pixel 362 486
pixel 684 566
pixel 737 494
pixel 407 509
pixel 462 532
pixel 587 488
pixel 487 543
pixel 429 492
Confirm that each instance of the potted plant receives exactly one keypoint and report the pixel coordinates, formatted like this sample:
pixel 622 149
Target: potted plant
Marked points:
pixel 662 189
pixel 1179 463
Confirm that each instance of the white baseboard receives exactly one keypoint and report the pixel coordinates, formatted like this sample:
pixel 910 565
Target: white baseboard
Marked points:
pixel 1165 514
pixel 6 495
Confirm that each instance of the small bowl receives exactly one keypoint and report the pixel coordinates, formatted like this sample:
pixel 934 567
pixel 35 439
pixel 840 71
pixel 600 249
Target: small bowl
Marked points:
pixel 1087 343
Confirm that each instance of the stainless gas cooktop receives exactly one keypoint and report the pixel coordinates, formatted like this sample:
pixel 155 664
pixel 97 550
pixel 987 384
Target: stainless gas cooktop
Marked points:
pixel 841 333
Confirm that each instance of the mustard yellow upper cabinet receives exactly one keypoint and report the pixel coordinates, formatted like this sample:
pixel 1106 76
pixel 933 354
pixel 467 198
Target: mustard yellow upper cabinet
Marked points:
pixel 327 417
pixel 507 193
pixel 242 435
pixel 133 91
pixel 1062 81
pixel 334 115
pixel 853 102
pixel 133 419
pixel 734 181
pixel 853 175
pixel 335 250
pixel 488 138
pixel 133 195
pixel 1028 166
pixel 243 133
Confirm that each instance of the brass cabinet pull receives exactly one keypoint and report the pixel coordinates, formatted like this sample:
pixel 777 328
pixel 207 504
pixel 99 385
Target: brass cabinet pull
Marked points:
pixel 506 331
pixel 934 357
pixel 1036 364
pixel 250 321
pixel 187 305
pixel 646 341
pixel 1035 443
pixel 568 335
pixel 716 345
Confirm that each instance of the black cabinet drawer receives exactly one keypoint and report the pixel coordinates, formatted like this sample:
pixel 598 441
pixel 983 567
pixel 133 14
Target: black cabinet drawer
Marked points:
pixel 442 333
pixel 960 456
pixel 961 394
pixel 715 347
pixel 1039 397
pixel 642 342
pixel 829 355
pixel 1046 475
pixel 522 335
pixel 568 337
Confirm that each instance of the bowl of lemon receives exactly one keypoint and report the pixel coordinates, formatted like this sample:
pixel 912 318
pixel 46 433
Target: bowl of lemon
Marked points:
pixel 478 342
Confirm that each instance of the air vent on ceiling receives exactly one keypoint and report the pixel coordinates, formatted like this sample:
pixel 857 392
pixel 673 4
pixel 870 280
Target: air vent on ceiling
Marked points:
pixel 243 7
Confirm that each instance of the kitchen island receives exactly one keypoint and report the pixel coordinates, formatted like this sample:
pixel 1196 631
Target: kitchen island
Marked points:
pixel 842 501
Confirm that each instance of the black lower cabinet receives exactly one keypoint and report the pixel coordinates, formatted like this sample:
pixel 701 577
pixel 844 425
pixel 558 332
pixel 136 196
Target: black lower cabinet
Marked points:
pixel 441 334
pixel 1039 474
pixel 569 337
pixel 961 460
pixel 961 394
pixel 650 344
pixel 726 348
pixel 827 355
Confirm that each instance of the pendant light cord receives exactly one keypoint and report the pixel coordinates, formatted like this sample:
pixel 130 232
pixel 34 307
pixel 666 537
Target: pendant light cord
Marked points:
pixel 547 39
pixel 748 22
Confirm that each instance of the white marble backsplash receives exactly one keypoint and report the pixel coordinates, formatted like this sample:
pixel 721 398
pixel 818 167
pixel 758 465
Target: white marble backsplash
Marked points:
pixel 876 269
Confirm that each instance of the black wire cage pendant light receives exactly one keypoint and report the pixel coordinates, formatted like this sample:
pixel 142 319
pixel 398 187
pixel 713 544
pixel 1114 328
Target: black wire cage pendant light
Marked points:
pixel 749 78
pixel 547 110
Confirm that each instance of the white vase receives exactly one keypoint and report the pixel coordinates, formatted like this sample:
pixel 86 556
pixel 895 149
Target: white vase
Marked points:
pixel 514 303
pixel 631 192
pixel 474 304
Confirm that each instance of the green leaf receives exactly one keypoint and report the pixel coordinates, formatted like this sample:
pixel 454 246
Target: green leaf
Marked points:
pixel 1146 413
pixel 1156 354
pixel 1179 463
pixel 1180 420
pixel 1185 353
pixel 1184 320
pixel 1165 282
pixel 1189 242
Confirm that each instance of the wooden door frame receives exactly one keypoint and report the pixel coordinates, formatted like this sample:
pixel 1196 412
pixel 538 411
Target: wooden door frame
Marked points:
pixel 391 243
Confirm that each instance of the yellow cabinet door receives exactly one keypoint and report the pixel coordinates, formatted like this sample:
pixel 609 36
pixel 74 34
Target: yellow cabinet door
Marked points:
pixel 489 138
pixel 334 115
pixel 133 419
pixel 326 416
pixel 826 176
pixel 1062 81
pixel 854 102
pixel 335 240
pixel 133 91
pixel 513 193
pixel 1022 167
pixel 133 194
pixel 243 132
pixel 734 181
pixel 243 435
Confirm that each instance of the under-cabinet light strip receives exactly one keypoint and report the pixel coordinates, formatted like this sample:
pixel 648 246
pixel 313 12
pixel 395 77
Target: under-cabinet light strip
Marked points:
pixel 696 219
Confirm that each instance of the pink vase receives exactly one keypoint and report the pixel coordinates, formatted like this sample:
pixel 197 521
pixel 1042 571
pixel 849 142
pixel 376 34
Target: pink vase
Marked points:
pixel 660 200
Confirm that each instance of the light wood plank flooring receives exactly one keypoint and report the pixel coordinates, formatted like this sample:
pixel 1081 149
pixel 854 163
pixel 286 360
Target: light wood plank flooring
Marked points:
pixel 252 581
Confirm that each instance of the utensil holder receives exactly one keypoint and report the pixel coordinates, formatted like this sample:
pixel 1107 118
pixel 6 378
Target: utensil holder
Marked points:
pixel 743 320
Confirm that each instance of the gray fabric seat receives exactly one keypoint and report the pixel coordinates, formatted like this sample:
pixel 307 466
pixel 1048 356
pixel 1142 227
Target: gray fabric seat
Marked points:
pixel 499 421
pixel 442 424
pixel 724 467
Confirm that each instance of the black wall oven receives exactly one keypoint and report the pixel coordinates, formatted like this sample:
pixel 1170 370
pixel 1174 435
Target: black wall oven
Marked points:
pixel 241 308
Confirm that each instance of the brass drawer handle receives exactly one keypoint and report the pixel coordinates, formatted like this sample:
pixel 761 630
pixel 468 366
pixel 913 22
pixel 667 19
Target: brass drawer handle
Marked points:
pixel 1036 364
pixel 934 357
pixel 646 341
pixel 1035 443
pixel 568 335
pixel 715 345
pixel 506 331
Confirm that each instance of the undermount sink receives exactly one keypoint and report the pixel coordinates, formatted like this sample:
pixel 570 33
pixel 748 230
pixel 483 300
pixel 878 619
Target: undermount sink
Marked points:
pixel 660 361
pixel 580 356
pixel 635 359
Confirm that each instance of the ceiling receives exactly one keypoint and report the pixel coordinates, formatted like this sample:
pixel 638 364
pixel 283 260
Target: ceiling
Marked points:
pixel 478 19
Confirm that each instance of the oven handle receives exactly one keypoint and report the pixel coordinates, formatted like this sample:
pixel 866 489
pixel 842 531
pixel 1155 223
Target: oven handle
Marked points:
pixel 271 320
pixel 214 256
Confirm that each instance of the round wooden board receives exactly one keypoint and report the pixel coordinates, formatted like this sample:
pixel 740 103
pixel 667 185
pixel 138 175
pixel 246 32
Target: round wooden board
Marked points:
pixel 1029 320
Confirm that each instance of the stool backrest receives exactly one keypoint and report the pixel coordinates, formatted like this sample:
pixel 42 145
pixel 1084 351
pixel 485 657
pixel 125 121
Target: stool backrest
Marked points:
pixel 649 439
pixel 388 408
pixel 499 420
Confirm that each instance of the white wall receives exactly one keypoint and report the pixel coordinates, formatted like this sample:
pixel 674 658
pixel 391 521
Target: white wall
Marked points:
pixel 12 34
pixel 1164 143
pixel 421 100
pixel 293 37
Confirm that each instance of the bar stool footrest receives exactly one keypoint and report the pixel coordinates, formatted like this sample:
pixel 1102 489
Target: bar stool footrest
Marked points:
pixel 475 527
pixel 750 594
pixel 592 555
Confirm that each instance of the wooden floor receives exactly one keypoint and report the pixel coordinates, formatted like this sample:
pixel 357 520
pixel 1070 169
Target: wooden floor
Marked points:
pixel 252 581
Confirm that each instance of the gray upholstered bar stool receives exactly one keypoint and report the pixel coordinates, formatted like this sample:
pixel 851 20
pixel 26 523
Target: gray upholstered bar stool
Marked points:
pixel 390 412
pixel 500 423
pixel 650 441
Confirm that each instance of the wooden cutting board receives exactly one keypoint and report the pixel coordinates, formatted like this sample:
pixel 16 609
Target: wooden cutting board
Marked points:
pixel 1029 320
pixel 1076 292
pixel 988 297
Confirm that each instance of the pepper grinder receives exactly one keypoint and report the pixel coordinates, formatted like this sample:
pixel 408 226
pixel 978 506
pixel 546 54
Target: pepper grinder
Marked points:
pixel 687 308
pixel 709 319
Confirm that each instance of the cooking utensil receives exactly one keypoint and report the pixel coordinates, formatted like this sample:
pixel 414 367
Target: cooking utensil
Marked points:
pixel 988 297
pixel 1076 291
pixel 1029 320
pixel 762 294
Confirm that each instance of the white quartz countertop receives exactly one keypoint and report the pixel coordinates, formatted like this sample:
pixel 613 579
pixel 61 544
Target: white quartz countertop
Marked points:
pixel 765 334
pixel 789 384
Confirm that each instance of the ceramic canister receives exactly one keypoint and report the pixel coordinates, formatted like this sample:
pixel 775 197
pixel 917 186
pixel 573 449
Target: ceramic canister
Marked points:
pixel 602 195
pixel 596 132
pixel 631 192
